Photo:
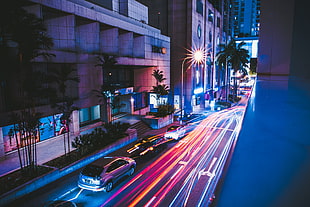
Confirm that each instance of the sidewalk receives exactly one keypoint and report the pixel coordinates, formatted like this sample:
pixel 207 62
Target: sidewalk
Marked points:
pixel 46 150
pixel 53 148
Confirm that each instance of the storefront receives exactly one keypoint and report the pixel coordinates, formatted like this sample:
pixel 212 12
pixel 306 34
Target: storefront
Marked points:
pixel 14 136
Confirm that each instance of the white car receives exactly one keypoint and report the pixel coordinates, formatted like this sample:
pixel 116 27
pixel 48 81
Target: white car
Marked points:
pixel 104 173
pixel 175 132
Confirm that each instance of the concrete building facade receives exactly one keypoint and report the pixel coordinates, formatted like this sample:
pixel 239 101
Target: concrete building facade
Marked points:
pixel 193 25
pixel 83 31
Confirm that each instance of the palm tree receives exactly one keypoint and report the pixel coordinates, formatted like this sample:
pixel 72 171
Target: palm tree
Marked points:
pixel 65 104
pixel 105 62
pixel 159 89
pixel 23 37
pixel 159 76
pixel 233 56
pixel 107 90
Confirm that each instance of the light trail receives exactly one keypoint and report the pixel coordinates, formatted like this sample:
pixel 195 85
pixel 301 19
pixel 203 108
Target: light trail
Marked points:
pixel 193 165
pixel 186 190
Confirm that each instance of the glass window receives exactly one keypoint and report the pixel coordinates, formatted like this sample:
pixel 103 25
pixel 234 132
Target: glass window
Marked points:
pixel 113 166
pixel 199 7
pixel 218 22
pixel 89 115
pixel 50 126
pixel 84 115
pixel 95 112
pixel 210 16
pixel 140 100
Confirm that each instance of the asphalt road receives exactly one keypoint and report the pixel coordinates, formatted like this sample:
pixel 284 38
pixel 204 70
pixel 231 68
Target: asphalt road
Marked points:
pixel 185 174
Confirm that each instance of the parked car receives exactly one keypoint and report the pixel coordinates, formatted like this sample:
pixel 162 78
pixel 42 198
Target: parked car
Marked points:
pixel 147 146
pixel 101 175
pixel 220 105
pixel 175 132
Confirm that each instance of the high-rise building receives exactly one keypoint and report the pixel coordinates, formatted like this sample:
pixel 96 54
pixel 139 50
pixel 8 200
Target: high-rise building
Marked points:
pixel 246 14
pixel 193 25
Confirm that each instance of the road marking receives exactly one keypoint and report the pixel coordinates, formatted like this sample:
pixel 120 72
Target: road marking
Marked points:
pixel 77 195
pixel 66 193
pixel 176 172
pixel 149 203
pixel 183 162
pixel 208 173
pixel 212 163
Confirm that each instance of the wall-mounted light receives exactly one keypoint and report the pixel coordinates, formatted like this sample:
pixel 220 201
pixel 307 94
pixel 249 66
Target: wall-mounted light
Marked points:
pixel 163 50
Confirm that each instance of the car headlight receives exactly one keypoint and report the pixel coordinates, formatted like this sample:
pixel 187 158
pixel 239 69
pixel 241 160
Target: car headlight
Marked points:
pixel 147 150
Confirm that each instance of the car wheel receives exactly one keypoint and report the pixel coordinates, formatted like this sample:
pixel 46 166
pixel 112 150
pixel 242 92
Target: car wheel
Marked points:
pixel 131 171
pixel 109 186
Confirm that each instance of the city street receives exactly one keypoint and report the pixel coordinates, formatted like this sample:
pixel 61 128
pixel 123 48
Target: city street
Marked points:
pixel 185 174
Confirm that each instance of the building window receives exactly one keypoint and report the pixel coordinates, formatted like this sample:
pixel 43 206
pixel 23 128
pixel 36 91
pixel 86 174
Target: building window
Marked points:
pixel 199 7
pixel 218 22
pixel 199 31
pixel 140 100
pixel 49 127
pixel 210 36
pixel 89 115
pixel 210 16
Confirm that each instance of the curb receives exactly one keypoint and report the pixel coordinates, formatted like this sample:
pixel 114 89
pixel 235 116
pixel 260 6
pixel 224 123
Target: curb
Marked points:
pixel 39 182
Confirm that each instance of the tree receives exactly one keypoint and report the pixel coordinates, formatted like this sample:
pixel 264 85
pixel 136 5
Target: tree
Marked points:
pixel 26 132
pixel 62 76
pixel 106 62
pixel 23 37
pixel 159 76
pixel 159 89
pixel 234 56
pixel 107 90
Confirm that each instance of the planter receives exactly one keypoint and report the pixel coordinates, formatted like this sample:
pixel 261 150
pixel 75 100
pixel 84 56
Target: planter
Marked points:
pixel 158 122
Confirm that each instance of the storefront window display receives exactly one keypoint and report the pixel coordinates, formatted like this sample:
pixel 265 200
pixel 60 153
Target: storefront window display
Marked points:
pixel 50 126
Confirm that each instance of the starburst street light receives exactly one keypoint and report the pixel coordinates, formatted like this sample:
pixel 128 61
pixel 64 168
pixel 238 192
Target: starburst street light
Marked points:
pixel 195 56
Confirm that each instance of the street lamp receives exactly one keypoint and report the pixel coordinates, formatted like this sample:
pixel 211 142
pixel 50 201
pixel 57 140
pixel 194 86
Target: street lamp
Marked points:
pixel 195 57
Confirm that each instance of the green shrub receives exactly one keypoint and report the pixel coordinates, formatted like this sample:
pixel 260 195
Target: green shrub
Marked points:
pixel 100 138
pixel 233 98
pixel 116 130
pixel 164 110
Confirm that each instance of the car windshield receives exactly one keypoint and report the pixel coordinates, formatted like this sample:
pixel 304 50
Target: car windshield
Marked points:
pixel 92 170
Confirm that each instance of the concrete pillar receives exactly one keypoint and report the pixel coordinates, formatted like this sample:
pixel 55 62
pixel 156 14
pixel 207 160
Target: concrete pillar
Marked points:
pixel 126 44
pixel 62 30
pixel 34 9
pixel 275 38
pixel 139 46
pixel 1 144
pixel 75 123
pixel 109 41
pixel 87 37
